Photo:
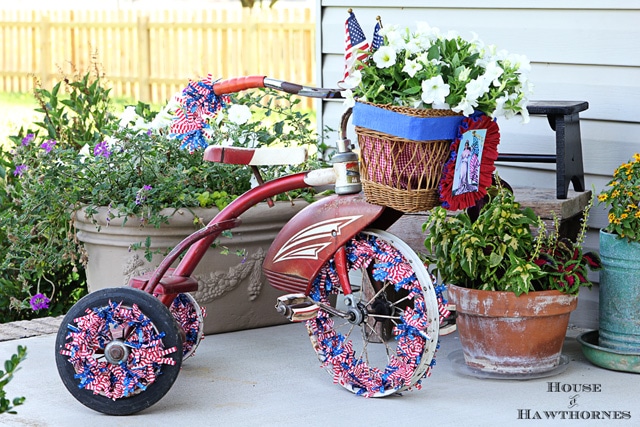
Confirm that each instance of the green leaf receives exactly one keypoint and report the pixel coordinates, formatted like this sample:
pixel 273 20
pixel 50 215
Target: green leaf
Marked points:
pixel 412 90
pixel 495 259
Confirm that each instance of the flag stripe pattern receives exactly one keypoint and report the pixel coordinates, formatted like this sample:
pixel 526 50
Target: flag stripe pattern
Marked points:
pixel 356 44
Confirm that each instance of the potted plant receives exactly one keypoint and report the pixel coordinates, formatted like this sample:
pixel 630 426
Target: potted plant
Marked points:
pixel 513 289
pixel 619 324
pixel 411 93
pixel 120 181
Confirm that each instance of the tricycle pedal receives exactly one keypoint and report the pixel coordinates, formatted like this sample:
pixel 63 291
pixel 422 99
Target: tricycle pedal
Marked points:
pixel 297 307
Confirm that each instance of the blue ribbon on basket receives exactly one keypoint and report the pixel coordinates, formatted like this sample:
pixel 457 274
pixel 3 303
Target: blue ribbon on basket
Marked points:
pixel 403 126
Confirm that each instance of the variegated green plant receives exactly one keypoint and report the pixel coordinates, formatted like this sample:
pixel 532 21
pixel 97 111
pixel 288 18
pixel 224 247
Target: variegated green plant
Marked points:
pixel 499 252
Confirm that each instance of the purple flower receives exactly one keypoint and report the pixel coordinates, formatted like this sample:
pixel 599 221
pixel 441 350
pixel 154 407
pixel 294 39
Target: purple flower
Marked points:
pixel 20 169
pixel 48 145
pixel 27 139
pixel 141 197
pixel 38 302
pixel 101 149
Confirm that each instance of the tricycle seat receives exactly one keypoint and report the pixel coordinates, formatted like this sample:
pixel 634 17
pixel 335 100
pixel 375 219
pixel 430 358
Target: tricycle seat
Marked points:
pixel 256 156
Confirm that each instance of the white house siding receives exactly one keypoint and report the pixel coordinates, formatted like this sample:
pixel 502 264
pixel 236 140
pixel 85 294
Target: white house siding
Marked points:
pixel 585 50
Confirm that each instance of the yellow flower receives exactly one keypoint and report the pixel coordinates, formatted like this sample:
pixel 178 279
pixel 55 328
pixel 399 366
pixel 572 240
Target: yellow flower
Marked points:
pixel 612 218
pixel 603 197
pixel 624 216
pixel 637 214
pixel 636 157
pixel 615 194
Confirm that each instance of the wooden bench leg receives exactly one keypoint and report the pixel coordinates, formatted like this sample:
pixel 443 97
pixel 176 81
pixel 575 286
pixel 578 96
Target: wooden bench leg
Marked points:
pixel 568 153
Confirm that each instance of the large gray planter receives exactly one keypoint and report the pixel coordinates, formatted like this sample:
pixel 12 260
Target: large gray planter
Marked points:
pixel 233 289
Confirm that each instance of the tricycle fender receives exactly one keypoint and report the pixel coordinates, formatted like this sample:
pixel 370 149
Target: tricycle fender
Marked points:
pixel 311 238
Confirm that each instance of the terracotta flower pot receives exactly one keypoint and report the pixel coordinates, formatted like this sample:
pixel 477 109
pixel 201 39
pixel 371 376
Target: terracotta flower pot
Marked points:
pixel 233 289
pixel 505 334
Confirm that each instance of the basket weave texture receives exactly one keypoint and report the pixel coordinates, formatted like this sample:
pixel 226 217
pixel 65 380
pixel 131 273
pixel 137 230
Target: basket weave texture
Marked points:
pixel 401 173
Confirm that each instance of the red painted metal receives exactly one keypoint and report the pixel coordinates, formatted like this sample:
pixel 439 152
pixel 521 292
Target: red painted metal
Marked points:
pixel 236 208
pixel 312 237
pixel 238 84
pixel 342 269
pixel 229 155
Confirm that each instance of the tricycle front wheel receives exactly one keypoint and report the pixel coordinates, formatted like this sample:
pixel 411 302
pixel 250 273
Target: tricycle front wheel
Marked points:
pixel 118 351
pixel 387 342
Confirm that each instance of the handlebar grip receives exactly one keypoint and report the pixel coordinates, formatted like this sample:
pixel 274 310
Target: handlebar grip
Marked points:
pixel 238 84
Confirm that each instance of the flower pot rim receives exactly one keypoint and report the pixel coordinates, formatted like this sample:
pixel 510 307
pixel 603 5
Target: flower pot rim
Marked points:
pixel 550 292
pixel 507 304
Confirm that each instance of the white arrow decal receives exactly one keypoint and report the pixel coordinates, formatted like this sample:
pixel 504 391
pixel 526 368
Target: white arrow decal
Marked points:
pixel 310 241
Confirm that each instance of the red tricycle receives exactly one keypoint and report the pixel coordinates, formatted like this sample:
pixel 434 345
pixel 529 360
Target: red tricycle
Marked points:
pixel 369 304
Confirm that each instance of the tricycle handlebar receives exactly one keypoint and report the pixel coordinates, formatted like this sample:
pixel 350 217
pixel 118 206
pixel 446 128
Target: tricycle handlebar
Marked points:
pixel 238 84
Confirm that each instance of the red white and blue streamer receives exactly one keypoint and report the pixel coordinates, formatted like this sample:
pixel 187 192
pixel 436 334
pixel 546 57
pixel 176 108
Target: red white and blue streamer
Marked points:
pixel 198 103
pixel 190 317
pixel 88 337
pixel 337 351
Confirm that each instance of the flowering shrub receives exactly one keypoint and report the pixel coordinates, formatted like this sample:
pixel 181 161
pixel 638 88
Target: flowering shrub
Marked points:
pixel 129 163
pixel 427 69
pixel 623 200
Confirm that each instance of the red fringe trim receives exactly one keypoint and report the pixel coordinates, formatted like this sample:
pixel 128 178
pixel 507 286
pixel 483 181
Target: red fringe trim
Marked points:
pixel 487 164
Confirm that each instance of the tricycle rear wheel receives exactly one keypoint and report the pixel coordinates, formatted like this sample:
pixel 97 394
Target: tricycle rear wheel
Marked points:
pixel 118 351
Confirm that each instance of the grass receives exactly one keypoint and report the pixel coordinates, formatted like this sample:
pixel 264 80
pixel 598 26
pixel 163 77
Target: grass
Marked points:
pixel 16 110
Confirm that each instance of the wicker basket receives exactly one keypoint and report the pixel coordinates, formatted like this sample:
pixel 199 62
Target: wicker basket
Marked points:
pixel 401 173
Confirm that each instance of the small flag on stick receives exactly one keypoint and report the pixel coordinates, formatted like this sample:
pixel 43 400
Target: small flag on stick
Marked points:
pixel 377 40
pixel 355 44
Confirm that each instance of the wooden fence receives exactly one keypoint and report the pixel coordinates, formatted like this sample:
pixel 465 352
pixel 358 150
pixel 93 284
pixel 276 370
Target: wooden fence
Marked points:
pixel 149 55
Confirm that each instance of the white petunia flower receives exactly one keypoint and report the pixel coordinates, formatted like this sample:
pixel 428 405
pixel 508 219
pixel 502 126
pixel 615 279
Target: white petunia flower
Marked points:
pixel 451 35
pixel 499 111
pixel 385 57
pixel 128 116
pixel 395 41
pixel 239 114
pixel 388 29
pixel 476 88
pixel 434 90
pixel 464 74
pixel 164 118
pixel 349 100
pixel 425 30
pixel 354 79
pixel 465 107
pixel 411 67
pixel 519 62
pixel 413 47
pixel 492 73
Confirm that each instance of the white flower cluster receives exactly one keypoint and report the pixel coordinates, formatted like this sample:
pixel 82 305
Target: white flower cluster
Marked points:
pixel 427 69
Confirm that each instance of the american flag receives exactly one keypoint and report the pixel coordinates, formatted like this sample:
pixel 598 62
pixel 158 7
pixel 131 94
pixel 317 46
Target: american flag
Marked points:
pixel 354 41
pixel 377 40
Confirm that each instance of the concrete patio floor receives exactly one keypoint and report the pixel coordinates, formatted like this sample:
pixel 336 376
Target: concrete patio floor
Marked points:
pixel 271 377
